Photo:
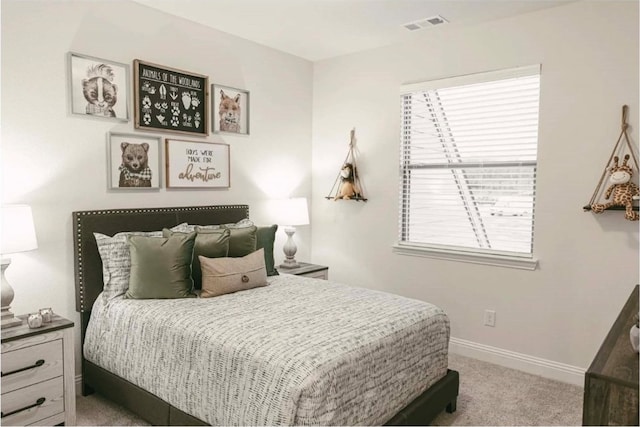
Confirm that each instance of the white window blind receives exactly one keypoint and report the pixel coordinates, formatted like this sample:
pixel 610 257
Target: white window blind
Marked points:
pixel 468 162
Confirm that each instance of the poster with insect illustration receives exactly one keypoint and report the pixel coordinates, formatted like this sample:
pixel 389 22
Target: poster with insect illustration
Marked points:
pixel 170 100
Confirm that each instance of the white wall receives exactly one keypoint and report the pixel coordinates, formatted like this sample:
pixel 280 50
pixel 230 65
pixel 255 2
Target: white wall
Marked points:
pixel 588 264
pixel 589 55
pixel 57 162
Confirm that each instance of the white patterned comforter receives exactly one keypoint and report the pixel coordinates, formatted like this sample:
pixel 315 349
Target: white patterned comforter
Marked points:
pixel 299 351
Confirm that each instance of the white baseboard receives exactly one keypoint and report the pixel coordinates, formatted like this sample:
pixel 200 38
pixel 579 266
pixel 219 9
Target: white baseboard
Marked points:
pixel 522 362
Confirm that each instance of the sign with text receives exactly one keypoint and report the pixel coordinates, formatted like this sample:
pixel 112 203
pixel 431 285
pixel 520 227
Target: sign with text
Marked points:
pixel 193 164
pixel 170 100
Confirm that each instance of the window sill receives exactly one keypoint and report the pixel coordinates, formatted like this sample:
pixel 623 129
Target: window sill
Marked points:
pixel 470 257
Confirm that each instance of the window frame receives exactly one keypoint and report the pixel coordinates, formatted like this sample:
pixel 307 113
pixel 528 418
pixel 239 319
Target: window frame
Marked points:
pixel 526 261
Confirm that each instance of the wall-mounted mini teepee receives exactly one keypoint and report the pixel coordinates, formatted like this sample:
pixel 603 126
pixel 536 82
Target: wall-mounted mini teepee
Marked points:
pixel 347 185
pixel 621 192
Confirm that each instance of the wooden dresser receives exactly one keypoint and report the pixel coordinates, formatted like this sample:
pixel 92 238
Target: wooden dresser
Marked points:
pixel 38 374
pixel 611 382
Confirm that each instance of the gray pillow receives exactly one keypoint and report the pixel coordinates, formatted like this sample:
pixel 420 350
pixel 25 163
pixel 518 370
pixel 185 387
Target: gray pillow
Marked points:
pixel 161 266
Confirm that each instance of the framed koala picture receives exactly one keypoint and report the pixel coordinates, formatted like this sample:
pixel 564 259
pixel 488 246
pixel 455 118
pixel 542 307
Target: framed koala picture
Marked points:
pixel 133 162
pixel 230 110
pixel 98 88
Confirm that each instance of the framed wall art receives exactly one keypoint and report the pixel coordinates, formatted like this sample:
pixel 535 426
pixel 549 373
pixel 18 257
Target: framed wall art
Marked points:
pixel 230 110
pixel 192 164
pixel 170 100
pixel 133 161
pixel 98 87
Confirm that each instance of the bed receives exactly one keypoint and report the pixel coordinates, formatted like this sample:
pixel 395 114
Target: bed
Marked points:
pixel 309 381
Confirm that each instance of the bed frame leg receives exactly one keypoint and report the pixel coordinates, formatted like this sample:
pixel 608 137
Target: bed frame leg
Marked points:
pixel 86 389
pixel 451 406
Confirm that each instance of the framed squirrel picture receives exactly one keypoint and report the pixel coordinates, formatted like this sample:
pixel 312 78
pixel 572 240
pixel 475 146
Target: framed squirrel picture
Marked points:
pixel 133 162
pixel 170 100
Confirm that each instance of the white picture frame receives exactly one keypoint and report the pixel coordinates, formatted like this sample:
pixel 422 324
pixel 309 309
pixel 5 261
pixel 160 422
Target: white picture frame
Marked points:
pixel 126 171
pixel 98 88
pixel 195 164
pixel 230 110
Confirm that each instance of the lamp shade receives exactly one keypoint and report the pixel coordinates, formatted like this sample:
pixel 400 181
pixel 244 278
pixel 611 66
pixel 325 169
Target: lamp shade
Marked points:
pixel 18 231
pixel 290 211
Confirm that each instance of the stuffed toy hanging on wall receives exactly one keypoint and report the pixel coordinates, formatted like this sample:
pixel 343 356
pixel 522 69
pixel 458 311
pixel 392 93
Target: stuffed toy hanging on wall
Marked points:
pixel 622 188
pixel 348 187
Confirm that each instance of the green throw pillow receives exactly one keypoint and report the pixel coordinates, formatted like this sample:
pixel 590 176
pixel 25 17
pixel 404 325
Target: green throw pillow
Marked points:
pixel 210 244
pixel 242 241
pixel 265 236
pixel 161 266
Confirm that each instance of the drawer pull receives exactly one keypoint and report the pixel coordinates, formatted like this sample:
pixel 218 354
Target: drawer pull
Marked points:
pixel 35 365
pixel 38 403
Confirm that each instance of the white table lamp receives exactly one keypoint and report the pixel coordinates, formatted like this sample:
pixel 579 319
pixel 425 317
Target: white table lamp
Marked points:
pixel 291 212
pixel 18 235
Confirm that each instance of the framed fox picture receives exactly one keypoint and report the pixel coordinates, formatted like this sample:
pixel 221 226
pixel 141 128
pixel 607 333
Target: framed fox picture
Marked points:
pixel 230 110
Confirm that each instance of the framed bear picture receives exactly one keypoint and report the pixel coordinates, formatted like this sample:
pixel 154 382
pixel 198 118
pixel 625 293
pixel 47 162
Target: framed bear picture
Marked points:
pixel 98 88
pixel 230 110
pixel 133 162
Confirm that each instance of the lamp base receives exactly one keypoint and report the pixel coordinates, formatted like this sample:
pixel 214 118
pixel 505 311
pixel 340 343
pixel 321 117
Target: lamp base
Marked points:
pixel 6 316
pixel 290 250
pixel 289 263
pixel 10 322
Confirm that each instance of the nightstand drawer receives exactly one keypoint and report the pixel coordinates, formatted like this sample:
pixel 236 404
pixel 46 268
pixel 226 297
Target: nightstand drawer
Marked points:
pixel 322 274
pixel 31 365
pixel 52 391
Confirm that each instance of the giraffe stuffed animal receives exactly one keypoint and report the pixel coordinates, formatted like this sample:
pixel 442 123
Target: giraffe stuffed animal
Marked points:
pixel 622 188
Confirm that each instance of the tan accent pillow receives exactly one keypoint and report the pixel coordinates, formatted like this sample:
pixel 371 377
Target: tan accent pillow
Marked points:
pixel 225 275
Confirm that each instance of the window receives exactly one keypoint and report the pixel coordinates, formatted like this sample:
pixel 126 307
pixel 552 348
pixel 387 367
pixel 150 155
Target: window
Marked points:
pixel 468 163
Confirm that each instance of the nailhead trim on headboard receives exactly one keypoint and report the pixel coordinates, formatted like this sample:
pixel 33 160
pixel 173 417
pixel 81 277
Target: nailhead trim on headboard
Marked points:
pixel 78 217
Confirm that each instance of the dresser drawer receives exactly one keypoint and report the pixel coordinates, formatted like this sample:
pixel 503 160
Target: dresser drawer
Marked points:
pixel 52 391
pixel 31 365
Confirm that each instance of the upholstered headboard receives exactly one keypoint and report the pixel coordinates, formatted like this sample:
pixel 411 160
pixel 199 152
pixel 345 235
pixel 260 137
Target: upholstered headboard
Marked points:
pixel 88 264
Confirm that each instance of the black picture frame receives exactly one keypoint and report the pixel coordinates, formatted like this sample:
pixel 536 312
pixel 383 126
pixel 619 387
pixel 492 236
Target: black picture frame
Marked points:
pixel 170 100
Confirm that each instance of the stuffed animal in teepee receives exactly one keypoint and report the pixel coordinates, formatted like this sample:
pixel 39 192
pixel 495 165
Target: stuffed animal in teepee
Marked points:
pixel 622 188
pixel 348 187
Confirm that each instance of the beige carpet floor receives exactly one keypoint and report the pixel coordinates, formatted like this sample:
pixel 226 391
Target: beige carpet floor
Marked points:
pixel 490 395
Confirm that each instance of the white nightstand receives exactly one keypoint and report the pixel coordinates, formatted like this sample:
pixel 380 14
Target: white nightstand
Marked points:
pixel 308 270
pixel 38 380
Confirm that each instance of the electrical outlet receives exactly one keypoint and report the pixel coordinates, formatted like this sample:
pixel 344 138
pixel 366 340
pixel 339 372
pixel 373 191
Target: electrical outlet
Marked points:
pixel 490 318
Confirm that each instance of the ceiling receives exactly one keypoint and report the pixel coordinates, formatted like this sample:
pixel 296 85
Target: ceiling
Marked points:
pixel 320 29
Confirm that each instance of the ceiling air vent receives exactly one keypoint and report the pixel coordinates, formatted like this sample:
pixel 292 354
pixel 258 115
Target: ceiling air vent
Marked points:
pixel 425 23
